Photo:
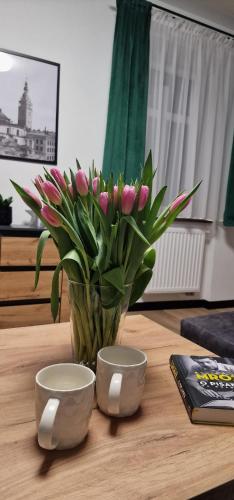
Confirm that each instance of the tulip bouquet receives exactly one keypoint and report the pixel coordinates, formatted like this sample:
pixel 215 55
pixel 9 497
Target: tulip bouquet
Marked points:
pixel 104 233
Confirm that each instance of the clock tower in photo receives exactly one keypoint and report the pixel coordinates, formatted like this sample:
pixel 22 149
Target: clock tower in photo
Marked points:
pixel 25 109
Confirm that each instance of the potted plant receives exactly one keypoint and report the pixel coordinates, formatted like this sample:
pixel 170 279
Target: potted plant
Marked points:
pixel 5 211
pixel 104 233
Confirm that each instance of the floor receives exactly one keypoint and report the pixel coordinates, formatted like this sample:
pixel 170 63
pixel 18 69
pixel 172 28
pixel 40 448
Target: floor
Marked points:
pixel 171 318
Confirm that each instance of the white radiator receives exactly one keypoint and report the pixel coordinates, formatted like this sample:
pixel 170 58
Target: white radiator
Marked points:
pixel 179 259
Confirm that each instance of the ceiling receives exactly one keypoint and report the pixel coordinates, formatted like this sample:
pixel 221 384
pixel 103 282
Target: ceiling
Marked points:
pixel 216 12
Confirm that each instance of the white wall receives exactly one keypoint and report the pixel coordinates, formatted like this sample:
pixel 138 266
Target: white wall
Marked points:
pixel 218 276
pixel 78 34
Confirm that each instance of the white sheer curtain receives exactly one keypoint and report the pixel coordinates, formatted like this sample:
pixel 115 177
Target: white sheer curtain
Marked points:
pixel 190 110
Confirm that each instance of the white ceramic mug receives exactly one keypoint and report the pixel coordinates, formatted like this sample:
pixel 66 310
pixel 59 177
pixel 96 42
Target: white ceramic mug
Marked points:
pixel 120 380
pixel 64 400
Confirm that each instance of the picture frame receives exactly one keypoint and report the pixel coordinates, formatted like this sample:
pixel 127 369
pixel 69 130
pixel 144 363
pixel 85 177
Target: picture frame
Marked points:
pixel 29 108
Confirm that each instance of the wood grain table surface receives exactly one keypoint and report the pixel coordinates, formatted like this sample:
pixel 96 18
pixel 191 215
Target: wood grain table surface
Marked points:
pixel 156 454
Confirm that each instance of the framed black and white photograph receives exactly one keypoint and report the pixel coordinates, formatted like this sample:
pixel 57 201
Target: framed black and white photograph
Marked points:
pixel 29 103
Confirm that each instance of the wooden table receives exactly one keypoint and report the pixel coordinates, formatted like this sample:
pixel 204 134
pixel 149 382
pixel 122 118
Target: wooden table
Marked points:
pixel 157 453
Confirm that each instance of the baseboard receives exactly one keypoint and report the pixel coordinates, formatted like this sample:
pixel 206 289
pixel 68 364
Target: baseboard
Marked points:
pixel 140 306
pixel 219 304
pixel 181 304
pixel 23 302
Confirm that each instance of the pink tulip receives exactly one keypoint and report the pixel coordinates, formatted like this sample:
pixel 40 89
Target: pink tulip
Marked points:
pixel 82 183
pixel 128 199
pixel 33 196
pixel 71 190
pixel 56 174
pixel 50 216
pixel 52 192
pixel 95 185
pixel 115 195
pixel 143 197
pixel 104 200
pixel 178 202
pixel 38 183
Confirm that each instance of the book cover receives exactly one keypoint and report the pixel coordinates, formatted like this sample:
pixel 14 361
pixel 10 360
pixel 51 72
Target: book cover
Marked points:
pixel 206 384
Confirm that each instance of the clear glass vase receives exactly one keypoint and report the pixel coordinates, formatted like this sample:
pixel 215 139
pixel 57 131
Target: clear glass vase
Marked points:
pixel 97 314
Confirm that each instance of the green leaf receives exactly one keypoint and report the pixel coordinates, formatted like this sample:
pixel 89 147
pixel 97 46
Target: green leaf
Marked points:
pixel 78 165
pixel 102 184
pixel 55 292
pixel 36 209
pixel 110 297
pixel 120 240
pixel 86 229
pixel 5 202
pixel 40 247
pixel 155 208
pixel 131 221
pixel 149 258
pixel 114 229
pixel 166 218
pixel 110 184
pixel 74 236
pixel 140 284
pixel 64 242
pixel 95 277
pixel 73 182
pixel 172 216
pixel 70 256
pixel 116 278
pixel 67 180
pixel 102 218
pixel 147 179
pixel 100 259
pixel 147 174
pixel 120 185
pixel 26 198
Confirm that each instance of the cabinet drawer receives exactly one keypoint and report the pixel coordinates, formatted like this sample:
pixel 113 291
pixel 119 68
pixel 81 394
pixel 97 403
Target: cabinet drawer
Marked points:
pixel 16 285
pixel 16 251
pixel 27 315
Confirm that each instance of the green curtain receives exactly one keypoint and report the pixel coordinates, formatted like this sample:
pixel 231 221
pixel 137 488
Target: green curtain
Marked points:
pixel 126 121
pixel 228 219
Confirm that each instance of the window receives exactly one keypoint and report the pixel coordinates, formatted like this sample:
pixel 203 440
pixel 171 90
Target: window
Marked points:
pixel 190 112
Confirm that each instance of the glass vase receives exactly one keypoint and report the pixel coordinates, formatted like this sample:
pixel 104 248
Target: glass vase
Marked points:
pixel 97 315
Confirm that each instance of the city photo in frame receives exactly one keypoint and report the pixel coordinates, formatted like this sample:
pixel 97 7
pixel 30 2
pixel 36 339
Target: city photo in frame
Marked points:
pixel 29 106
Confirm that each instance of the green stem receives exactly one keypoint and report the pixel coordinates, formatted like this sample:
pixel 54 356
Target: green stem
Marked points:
pixel 129 248
pixel 93 326
pixel 80 309
pixel 97 315
pixel 121 237
pixel 89 309
pixel 78 336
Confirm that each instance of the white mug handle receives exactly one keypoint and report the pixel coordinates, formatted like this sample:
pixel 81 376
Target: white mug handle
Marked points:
pixel 114 393
pixel 45 429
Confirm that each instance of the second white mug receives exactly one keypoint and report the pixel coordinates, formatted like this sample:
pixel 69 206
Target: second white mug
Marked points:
pixel 120 380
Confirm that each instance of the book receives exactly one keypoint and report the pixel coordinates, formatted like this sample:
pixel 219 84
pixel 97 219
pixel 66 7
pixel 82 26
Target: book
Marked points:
pixel 206 384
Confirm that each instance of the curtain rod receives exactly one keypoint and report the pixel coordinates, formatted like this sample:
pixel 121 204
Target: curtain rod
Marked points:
pixel 191 19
